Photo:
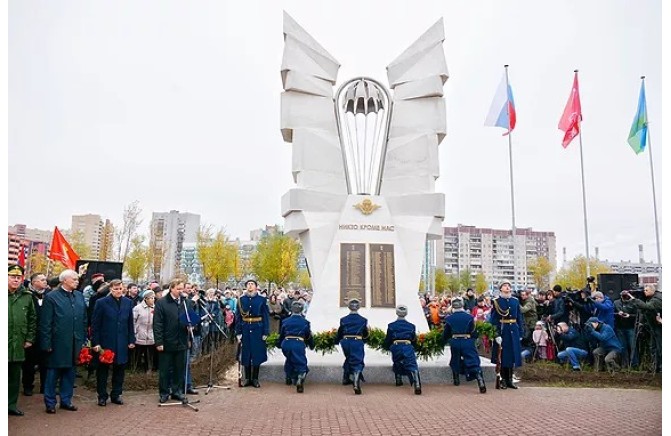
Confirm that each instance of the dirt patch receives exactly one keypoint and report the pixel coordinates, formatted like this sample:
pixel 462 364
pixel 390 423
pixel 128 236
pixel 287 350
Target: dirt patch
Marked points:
pixel 553 374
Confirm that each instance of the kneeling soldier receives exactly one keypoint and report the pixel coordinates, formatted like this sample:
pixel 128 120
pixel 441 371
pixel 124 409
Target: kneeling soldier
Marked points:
pixel 400 340
pixel 295 335
pixel 351 335
pixel 460 332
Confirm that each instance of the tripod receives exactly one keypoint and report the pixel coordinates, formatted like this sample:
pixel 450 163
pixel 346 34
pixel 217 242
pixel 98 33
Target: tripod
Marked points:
pixel 210 385
pixel 185 401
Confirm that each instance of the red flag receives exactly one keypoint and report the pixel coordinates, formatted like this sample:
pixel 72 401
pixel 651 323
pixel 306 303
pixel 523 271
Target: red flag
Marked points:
pixel 570 120
pixel 61 251
pixel 22 257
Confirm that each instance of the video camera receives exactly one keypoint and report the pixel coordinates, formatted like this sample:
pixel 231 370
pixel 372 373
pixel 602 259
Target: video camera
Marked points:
pixel 635 291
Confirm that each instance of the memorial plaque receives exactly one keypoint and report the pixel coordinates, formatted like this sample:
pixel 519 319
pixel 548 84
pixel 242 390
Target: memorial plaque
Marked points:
pixel 352 273
pixel 382 281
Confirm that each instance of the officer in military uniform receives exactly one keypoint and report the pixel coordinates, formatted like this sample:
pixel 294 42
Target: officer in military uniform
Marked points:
pixel 352 333
pixel 507 318
pixel 400 340
pixel 295 335
pixel 22 328
pixel 252 326
pixel 460 332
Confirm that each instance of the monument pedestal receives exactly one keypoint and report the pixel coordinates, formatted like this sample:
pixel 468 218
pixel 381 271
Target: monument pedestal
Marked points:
pixel 328 368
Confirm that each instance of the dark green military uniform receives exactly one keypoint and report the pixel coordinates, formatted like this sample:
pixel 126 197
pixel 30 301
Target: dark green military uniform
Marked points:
pixel 22 329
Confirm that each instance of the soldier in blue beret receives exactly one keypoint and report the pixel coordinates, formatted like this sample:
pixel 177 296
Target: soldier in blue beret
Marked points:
pixel 352 333
pixel 400 340
pixel 295 335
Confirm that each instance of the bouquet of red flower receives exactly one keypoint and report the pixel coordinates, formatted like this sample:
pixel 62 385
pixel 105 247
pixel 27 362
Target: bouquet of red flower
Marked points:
pixel 85 356
pixel 106 356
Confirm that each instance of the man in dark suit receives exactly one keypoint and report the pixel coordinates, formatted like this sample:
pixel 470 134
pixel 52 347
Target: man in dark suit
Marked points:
pixel 62 335
pixel 112 329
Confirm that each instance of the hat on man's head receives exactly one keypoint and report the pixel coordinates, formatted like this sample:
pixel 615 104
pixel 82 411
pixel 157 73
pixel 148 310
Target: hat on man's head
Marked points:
pixel 97 276
pixel 15 270
pixel 556 288
pixel 457 303
pixel 354 304
pixel 297 307
pixel 505 282
pixel 252 281
pixel 401 310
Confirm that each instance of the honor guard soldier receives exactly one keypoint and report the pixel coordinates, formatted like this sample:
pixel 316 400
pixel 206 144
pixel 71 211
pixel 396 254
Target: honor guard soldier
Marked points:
pixel 352 332
pixel 460 332
pixel 507 318
pixel 295 335
pixel 400 340
pixel 252 326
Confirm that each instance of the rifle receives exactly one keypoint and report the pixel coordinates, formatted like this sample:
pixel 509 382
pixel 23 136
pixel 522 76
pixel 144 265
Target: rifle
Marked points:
pixel 237 357
pixel 498 368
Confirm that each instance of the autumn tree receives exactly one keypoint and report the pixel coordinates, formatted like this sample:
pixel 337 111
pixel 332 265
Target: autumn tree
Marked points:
pixel 304 279
pixel 37 263
pixel 128 230
pixel 217 254
pixel 138 259
pixel 481 284
pixel 575 274
pixel 540 269
pixel 441 281
pixel 453 283
pixel 276 259
pixel 465 279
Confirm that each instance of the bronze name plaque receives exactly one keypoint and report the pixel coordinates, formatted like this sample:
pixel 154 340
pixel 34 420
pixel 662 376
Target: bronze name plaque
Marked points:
pixel 352 273
pixel 382 281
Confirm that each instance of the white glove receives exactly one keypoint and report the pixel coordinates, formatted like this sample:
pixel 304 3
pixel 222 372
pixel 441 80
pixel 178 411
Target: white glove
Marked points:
pixel 239 337
pixel 264 337
pixel 499 340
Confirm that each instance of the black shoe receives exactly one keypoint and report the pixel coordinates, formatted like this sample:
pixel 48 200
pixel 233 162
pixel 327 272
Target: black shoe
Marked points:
pixel 399 379
pixel 118 400
pixel 70 407
pixel 255 376
pixel 481 382
pixel 299 383
pixel 28 392
pixel 508 378
pixel 178 397
pixel 102 402
pixel 191 391
pixel 15 412
pixel 51 410
pixel 288 381
pixel 163 399
pixel 248 377
pixel 455 379
pixel 357 383
pixel 346 379
pixel 416 382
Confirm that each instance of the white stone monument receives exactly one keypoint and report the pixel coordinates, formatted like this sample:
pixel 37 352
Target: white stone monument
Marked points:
pixel 365 162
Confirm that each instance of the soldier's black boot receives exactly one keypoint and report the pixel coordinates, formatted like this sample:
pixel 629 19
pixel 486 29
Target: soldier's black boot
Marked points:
pixel 509 379
pixel 255 377
pixel 357 382
pixel 346 380
pixel 399 380
pixel 288 381
pixel 248 377
pixel 481 382
pixel 299 382
pixel 417 382
pixel 455 378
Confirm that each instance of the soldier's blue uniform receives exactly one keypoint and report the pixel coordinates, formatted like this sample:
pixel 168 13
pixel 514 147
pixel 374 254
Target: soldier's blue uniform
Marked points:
pixel 252 322
pixel 400 340
pixel 508 320
pixel 352 332
pixel 295 336
pixel 460 332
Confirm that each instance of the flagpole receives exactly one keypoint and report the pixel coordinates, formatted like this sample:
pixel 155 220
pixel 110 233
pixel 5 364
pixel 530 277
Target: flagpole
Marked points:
pixel 652 177
pixel 510 159
pixel 584 202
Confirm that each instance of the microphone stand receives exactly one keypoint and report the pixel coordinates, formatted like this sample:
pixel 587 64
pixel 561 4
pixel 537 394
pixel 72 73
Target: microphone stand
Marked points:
pixel 185 401
pixel 210 385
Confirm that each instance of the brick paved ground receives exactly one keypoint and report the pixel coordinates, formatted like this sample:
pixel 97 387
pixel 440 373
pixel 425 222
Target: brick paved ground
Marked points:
pixel 334 410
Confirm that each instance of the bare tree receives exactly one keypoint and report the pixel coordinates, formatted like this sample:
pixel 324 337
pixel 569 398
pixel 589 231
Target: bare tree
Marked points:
pixel 125 234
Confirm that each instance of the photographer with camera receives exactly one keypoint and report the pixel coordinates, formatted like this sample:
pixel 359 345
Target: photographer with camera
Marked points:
pixel 573 345
pixel 602 307
pixel 558 311
pixel 609 345
pixel 651 306
pixel 625 328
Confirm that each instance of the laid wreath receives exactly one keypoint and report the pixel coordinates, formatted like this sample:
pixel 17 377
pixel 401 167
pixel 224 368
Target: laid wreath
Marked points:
pixel 427 346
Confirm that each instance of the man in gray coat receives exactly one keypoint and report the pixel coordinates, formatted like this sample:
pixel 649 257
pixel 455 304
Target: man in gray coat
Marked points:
pixel 62 335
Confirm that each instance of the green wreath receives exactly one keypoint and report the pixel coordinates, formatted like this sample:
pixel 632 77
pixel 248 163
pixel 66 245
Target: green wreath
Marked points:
pixel 427 346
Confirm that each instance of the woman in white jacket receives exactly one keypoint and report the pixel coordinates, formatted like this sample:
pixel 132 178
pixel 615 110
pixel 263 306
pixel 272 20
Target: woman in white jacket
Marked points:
pixel 143 320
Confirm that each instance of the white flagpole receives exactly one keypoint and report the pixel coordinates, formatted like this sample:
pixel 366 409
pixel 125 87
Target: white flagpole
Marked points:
pixel 512 188
pixel 584 202
pixel 652 177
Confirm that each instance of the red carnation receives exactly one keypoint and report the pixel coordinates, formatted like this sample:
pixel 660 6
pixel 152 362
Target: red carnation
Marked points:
pixel 106 357
pixel 85 356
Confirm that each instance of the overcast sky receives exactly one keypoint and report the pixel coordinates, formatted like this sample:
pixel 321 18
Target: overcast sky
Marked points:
pixel 176 104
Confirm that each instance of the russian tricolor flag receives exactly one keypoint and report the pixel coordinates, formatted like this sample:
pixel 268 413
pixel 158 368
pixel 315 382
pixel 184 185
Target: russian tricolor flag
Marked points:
pixel 502 111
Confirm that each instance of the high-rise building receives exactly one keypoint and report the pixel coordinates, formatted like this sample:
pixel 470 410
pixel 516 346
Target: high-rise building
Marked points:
pixel 13 247
pixel 190 265
pixel 495 253
pixel 91 229
pixel 169 231
pixel 107 241
pixel 257 234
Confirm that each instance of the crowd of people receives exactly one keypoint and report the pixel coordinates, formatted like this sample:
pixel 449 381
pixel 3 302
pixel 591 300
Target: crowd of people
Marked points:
pixel 575 326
